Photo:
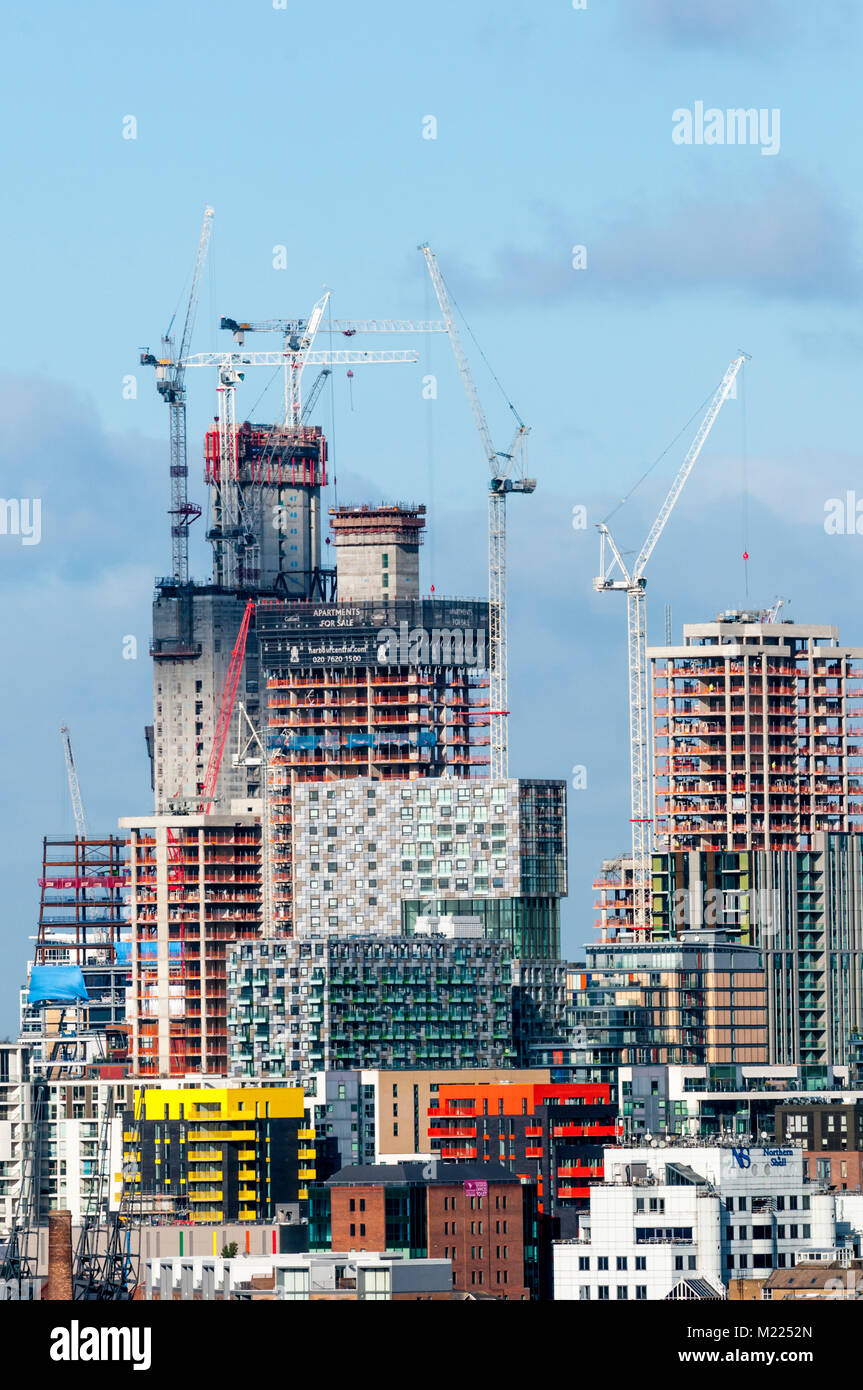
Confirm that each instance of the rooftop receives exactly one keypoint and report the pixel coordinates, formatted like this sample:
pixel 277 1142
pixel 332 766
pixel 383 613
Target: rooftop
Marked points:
pixel 443 1174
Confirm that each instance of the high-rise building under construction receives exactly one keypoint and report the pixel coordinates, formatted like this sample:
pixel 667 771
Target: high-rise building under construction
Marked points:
pixel 758 735
pixel 272 546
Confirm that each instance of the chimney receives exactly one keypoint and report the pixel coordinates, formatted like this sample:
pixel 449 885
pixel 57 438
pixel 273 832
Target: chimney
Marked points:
pixel 59 1287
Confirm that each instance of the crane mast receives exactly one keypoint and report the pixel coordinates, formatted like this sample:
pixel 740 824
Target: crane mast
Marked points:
pixel 74 788
pixel 614 575
pixel 170 383
pixel 501 482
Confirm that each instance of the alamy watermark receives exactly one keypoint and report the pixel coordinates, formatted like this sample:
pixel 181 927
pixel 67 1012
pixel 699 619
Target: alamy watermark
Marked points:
pixel 437 646
pixel 695 908
pixel 734 126
pixel 843 516
pixel 22 517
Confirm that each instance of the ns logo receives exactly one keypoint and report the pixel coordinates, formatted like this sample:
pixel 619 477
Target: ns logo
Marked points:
pixel 741 1158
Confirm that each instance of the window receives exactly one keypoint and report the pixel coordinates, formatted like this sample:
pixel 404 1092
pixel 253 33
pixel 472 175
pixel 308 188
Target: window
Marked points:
pixel 641 1292
pixel 622 1292
pixel 621 1262
pixel 584 1262
pixel 602 1293
pixel 641 1262
pixel 602 1262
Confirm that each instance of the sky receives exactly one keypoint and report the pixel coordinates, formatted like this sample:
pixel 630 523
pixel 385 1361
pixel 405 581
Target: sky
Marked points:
pixel 305 127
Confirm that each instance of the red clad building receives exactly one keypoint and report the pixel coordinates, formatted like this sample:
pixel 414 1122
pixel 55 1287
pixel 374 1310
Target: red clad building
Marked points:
pixel 549 1134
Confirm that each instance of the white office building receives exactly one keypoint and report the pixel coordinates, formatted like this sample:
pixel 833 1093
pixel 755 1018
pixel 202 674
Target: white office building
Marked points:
pixel 708 1213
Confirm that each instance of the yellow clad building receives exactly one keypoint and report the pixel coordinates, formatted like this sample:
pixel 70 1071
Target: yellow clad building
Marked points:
pixel 218 1154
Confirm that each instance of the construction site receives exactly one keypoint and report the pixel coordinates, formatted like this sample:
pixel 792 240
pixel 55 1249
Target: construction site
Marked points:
pixel 276 672
pixel 338 873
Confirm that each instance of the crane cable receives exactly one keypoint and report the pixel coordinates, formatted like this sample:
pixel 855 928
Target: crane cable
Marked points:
pixel 494 375
pixel 637 484
pixel 744 454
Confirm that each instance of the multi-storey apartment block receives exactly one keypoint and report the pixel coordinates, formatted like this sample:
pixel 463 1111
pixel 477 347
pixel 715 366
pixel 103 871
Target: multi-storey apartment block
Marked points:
pixel 478 1215
pixel 721 1101
pixel 554 1135
pixel 802 909
pixel 373 858
pixel 698 1000
pixel 388 691
pixel 195 886
pixel 221 1154
pixel 757 739
pixel 337 1003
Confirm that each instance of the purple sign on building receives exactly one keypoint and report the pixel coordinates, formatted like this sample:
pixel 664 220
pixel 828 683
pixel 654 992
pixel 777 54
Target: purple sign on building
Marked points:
pixel 476 1187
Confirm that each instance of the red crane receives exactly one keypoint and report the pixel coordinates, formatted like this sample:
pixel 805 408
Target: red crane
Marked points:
pixel 226 710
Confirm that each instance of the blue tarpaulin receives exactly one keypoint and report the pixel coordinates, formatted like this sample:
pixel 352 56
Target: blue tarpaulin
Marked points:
pixel 425 738
pixel 56 984
pixel 146 950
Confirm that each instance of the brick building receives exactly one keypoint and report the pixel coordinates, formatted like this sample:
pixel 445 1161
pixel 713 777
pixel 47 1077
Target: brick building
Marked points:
pixel 478 1215
pixel 832 1138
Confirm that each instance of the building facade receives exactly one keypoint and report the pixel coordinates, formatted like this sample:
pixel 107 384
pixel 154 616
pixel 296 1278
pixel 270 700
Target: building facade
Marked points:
pixel 371 858
pixel 553 1135
pixel 336 1003
pixel 757 735
pixel 803 909
pixel 195 889
pixel 699 1000
pixel 717 1214
pixel 719 1101
pixel 477 1215
pixel 221 1154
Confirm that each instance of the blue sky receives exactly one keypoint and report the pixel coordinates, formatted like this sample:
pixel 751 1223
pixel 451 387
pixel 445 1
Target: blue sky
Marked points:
pixel 303 127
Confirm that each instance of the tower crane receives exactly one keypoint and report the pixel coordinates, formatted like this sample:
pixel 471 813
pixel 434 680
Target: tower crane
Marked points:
pixel 170 383
pixel 502 482
pixel 299 335
pixel 74 789
pixel 772 613
pixel 615 576
pixel 318 385
pixel 231 371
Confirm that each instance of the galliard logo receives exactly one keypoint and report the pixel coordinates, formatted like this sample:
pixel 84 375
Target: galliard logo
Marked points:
pixel 77 1343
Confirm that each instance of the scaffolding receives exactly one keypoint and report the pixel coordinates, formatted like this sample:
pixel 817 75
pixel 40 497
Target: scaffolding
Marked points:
pixel 83 927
